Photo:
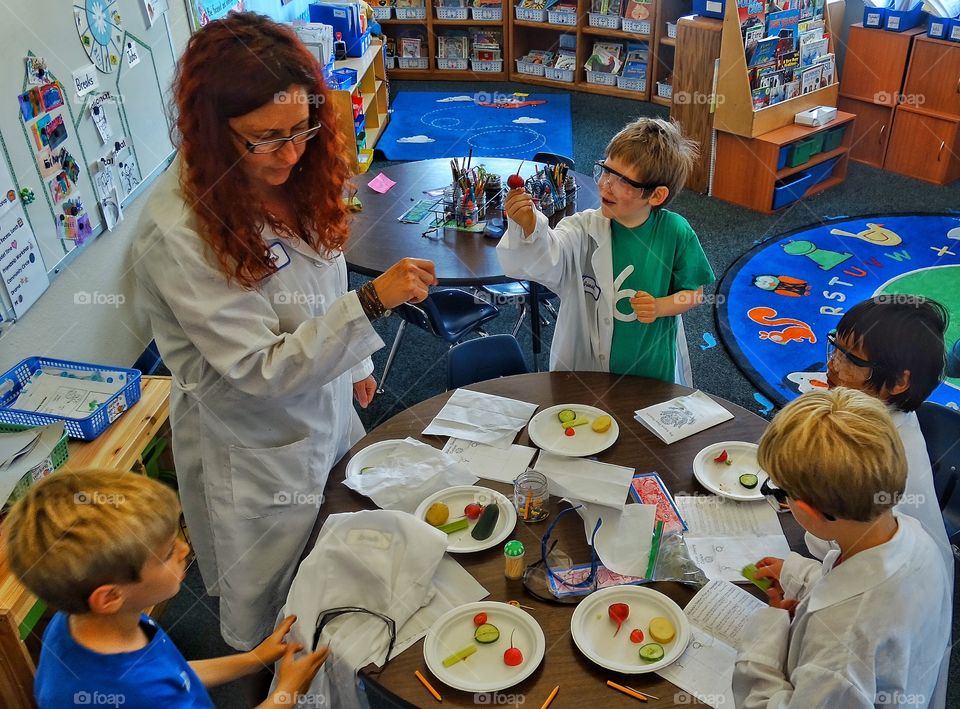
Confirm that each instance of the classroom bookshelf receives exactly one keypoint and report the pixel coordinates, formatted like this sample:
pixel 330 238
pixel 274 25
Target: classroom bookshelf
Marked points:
pixel 522 32
pixel 363 110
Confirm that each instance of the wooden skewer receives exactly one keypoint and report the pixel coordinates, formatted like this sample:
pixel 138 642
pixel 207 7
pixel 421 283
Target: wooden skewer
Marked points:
pixel 627 691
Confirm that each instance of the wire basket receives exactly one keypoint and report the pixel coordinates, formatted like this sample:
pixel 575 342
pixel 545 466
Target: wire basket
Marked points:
pixel 413 62
pixel 632 83
pixel 564 75
pixel 609 22
pixel 555 17
pixel 602 78
pixel 85 428
pixel 488 14
pixel 455 64
pixel 453 13
pixel 672 30
pixel 382 13
pixel 411 13
pixel 527 14
pixel 486 65
pixel 637 26
pixel 664 90
pixel 530 68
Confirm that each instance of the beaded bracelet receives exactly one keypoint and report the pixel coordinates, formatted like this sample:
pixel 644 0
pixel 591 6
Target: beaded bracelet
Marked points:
pixel 371 303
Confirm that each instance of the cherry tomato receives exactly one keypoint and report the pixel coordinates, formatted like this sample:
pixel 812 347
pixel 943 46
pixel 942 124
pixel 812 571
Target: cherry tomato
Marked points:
pixel 514 181
pixel 569 432
pixel 512 657
pixel 473 510
pixel 636 636
pixel 479 619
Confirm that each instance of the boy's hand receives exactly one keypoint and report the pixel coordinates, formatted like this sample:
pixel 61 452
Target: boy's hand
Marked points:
pixel 295 675
pixel 776 599
pixel 519 208
pixel 274 647
pixel 769 567
pixel 645 307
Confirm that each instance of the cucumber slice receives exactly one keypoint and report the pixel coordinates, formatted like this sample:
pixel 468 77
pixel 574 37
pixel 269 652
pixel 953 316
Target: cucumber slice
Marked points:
pixel 749 480
pixel 486 634
pixel 567 415
pixel 461 655
pixel 455 526
pixel 651 652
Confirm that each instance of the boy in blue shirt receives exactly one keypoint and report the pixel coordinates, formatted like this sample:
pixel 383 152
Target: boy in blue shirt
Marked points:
pixel 624 272
pixel 100 547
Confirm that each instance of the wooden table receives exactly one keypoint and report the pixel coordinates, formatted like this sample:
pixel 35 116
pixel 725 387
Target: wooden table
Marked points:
pixel 581 682
pixel 117 448
pixel 378 240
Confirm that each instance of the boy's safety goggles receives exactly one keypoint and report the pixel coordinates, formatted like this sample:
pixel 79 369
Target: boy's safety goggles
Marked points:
pixel 600 169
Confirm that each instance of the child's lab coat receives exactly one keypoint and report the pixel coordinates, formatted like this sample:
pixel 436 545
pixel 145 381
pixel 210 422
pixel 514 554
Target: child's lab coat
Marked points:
pixel 261 405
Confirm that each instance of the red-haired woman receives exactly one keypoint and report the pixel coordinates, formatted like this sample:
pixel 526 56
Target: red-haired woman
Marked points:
pixel 246 288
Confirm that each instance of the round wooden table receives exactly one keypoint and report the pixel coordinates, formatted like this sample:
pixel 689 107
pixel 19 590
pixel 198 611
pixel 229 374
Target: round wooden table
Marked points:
pixel 377 240
pixel 580 681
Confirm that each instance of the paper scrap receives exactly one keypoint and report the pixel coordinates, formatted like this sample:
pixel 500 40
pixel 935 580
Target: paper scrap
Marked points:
pixel 682 416
pixel 381 183
pixel 484 418
pixel 586 480
pixel 501 464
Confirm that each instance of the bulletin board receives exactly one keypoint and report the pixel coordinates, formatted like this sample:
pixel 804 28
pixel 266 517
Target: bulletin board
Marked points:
pixel 84 92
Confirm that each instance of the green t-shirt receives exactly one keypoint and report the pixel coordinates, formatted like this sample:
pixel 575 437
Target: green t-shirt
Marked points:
pixel 661 257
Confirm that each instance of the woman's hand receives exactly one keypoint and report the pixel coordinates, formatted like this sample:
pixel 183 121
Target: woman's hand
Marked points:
pixel 519 208
pixel 364 391
pixel 407 281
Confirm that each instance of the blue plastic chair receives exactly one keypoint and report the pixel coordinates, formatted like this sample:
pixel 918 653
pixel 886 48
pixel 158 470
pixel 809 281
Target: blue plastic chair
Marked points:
pixel 448 313
pixel 518 293
pixel 941 430
pixel 953 360
pixel 150 362
pixel 484 358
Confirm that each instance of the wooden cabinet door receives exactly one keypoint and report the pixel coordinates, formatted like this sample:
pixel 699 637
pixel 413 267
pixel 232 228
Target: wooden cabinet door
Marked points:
pixel 923 146
pixel 875 64
pixel 933 79
pixel 871 130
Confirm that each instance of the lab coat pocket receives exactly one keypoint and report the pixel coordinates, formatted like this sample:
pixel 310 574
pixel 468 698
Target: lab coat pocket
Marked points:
pixel 269 481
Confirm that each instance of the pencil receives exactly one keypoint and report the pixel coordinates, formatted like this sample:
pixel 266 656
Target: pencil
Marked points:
pixel 628 692
pixel 423 681
pixel 550 698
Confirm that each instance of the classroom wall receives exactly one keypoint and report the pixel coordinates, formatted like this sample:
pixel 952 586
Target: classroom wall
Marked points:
pixel 89 312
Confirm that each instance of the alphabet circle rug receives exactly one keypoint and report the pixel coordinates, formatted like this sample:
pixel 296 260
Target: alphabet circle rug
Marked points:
pixel 779 300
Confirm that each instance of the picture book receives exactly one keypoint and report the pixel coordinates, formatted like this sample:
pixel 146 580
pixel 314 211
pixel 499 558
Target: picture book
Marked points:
pixel 810 78
pixel 605 7
pixel 409 46
pixel 635 64
pixel 606 58
pixel 761 98
pixel 783 24
pixel 811 52
pixel 765 51
pixel 638 9
pixel 751 10
pixel 566 60
pixel 789 62
pixel 752 35
pixel 828 63
pixel 791 89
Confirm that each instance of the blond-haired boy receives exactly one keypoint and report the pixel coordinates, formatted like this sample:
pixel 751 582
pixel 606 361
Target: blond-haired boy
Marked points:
pixel 100 547
pixel 871 622
pixel 624 272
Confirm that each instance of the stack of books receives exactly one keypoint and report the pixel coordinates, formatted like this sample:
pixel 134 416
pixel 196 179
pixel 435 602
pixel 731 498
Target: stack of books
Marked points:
pixel 787 49
pixel 485 45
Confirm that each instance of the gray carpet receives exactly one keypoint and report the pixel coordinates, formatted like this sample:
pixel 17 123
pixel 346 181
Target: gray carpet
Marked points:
pixel 726 231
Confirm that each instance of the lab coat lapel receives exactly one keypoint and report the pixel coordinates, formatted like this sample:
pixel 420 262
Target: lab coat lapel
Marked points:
pixel 601 262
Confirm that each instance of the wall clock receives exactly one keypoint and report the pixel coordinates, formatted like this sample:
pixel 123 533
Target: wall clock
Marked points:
pixel 101 32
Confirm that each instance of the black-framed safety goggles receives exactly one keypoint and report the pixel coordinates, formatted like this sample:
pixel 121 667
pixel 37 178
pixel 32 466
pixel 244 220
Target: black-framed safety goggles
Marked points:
pixel 333 613
pixel 537 576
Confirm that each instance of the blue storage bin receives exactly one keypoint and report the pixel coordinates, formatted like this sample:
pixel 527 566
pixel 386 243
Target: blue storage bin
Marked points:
pixel 782 158
pixel 359 124
pixel 902 20
pixel 953 34
pixel 790 189
pixel 86 428
pixel 819 173
pixel 709 8
pixel 875 17
pixel 345 78
pixel 938 27
pixel 347 19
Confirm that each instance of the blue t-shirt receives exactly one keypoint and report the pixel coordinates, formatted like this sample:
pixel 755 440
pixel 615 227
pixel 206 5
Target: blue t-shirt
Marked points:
pixel 152 677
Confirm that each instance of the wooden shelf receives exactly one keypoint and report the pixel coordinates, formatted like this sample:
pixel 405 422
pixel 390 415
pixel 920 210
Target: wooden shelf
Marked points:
pixel 470 23
pixel 468 75
pixel 619 34
pixel 544 26
pixel 794 132
pixel 815 160
pixel 541 80
pixel 668 41
pixel 613 91
pixel 370 72
pixel 395 21
pixel 668 102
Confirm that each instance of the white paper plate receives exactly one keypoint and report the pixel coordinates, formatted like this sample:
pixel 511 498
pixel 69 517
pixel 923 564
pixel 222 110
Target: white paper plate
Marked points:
pixel 593 630
pixel 723 479
pixel 456 498
pixel 547 432
pixel 370 456
pixel 484 670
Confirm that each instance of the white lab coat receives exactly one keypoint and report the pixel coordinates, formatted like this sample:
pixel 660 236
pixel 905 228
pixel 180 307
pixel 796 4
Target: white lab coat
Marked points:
pixel 867 633
pixel 261 404
pixel 575 261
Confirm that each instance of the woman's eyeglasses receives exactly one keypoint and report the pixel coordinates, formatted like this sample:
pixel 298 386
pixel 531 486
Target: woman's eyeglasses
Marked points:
pixel 274 144
pixel 600 169
pixel 334 613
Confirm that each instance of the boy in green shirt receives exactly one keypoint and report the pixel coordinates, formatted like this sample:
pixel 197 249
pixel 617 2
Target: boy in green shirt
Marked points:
pixel 624 272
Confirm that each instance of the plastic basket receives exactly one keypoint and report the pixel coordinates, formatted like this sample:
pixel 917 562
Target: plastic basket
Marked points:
pixel 637 26
pixel 455 64
pixel 564 75
pixel 562 18
pixel 938 27
pixel 527 14
pixel 411 13
pixel 58 456
pixel 530 68
pixel 413 62
pixel 390 62
pixel 903 20
pixel 954 34
pixel 664 90
pixel 609 22
pixel 874 16
pixel 672 30
pixel 632 83
pixel 453 13
pixel 486 65
pixel 487 13
pixel 602 78
pixel 86 428
pixel 382 13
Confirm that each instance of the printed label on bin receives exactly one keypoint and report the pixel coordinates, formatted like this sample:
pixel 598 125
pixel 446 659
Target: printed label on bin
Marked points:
pixel 893 22
pixel 714 6
pixel 955 33
pixel 116 407
pixel 936 28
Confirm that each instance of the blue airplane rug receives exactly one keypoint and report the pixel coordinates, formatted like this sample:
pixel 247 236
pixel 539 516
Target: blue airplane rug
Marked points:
pixel 778 302
pixel 426 125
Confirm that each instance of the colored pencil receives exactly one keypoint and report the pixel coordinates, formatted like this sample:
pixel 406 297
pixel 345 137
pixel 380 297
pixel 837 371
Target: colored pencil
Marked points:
pixel 423 681
pixel 625 690
pixel 550 698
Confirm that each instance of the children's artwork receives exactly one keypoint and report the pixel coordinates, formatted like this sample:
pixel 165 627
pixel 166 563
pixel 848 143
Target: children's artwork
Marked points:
pixel 100 120
pixel 154 8
pixel 37 72
pixel 111 210
pixel 129 174
pixel 69 165
pixel 75 222
pixel 38 130
pixel 31 105
pixel 56 132
pixel 103 184
pixel 47 162
pixel 59 187
pixel 131 53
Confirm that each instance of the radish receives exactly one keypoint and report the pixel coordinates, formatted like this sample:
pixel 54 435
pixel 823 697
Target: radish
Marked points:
pixel 619 612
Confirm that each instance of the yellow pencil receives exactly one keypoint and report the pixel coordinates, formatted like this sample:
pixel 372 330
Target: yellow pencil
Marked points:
pixel 550 698
pixel 423 681
pixel 625 690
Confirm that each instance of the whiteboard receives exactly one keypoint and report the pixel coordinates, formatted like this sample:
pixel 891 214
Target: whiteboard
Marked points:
pixel 56 151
